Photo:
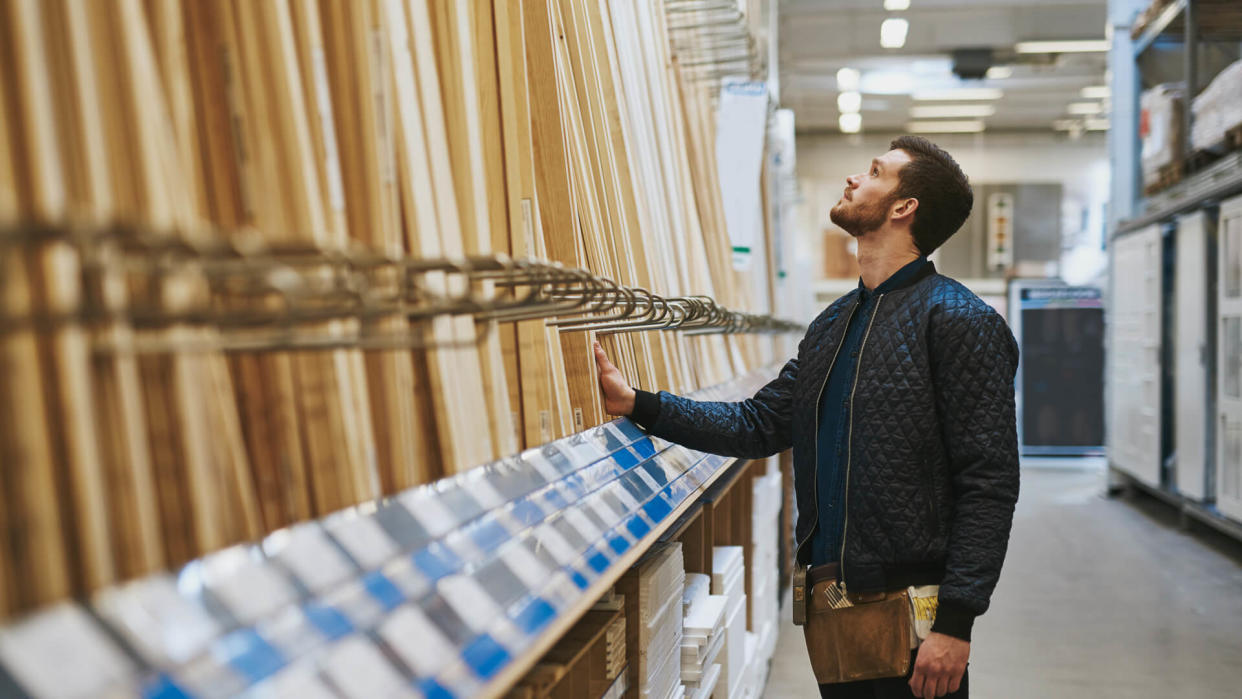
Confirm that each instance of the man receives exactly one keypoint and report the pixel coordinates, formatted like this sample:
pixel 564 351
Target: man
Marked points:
pixel 900 410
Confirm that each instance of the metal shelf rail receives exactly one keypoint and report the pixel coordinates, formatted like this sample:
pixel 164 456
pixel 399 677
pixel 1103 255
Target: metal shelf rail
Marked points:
pixel 452 589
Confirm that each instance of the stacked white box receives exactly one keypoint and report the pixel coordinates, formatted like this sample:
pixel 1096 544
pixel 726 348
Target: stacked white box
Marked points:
pixel 656 592
pixel 703 636
pixel 728 579
pixel 764 573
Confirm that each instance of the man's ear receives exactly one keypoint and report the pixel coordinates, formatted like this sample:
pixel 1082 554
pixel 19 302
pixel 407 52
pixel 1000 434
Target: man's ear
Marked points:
pixel 904 209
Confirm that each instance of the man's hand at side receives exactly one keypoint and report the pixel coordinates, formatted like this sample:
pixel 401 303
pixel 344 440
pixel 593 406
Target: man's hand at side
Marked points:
pixel 940 665
pixel 618 396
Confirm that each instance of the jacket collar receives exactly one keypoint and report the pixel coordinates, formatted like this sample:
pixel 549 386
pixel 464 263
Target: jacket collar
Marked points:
pixel 902 278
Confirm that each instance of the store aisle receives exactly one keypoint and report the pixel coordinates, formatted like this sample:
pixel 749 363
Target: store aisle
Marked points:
pixel 1099 598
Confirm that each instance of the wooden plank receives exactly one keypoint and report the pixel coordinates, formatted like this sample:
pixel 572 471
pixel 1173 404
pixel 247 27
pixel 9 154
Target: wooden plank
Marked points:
pixel 545 414
pixel 360 76
pixel 35 534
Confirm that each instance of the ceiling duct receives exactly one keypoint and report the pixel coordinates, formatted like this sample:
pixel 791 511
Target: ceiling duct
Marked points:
pixel 972 64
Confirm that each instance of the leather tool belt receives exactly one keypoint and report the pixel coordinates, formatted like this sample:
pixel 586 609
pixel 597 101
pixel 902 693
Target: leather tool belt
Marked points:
pixel 852 637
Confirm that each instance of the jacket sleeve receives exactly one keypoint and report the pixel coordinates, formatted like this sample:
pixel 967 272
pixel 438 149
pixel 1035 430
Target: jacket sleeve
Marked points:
pixel 975 358
pixel 753 428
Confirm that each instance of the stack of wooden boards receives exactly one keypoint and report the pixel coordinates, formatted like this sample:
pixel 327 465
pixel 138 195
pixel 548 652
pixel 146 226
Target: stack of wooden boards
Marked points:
pixel 764 569
pixel 728 580
pixel 653 591
pixel 703 636
pixel 589 661
pixel 555 129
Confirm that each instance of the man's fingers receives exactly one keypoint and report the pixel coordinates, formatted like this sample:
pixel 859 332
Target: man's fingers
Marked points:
pixel 955 683
pixel 942 686
pixel 916 682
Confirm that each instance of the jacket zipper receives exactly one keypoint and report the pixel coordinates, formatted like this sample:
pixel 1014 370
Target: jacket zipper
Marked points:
pixel 815 473
pixel 849 442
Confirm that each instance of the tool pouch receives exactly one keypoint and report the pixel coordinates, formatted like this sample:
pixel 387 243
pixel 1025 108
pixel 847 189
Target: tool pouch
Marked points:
pixel 868 638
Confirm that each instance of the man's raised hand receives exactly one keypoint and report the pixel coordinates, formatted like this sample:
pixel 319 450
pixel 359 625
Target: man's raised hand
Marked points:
pixel 618 396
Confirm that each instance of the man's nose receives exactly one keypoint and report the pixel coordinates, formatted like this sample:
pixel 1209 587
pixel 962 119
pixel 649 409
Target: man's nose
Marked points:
pixel 852 181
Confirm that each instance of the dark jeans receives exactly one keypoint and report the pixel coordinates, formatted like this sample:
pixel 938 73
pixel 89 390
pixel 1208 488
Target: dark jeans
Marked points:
pixel 891 688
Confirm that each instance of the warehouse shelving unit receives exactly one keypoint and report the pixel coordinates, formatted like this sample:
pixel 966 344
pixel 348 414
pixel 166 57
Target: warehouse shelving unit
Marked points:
pixel 455 588
pixel 1173 280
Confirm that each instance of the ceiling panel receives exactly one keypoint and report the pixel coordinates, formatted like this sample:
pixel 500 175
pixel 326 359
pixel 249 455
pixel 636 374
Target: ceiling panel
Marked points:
pixel 817 37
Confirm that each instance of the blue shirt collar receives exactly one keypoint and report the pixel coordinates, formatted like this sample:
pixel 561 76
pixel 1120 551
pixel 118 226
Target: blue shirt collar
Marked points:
pixel 899 279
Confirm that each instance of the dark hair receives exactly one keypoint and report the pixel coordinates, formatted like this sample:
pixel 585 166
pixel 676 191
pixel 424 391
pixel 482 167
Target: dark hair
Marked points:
pixel 934 178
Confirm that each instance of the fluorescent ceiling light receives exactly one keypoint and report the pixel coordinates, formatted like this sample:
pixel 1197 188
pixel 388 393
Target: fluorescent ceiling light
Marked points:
pixel 942 111
pixel 849 102
pixel 847 79
pixel 896 5
pixel 893 33
pixel 959 93
pixel 850 123
pixel 1097 124
pixel 887 82
pixel 1066 124
pixel 1085 108
pixel 1097 92
pixel 1076 46
pixel 972 126
pixel 999 72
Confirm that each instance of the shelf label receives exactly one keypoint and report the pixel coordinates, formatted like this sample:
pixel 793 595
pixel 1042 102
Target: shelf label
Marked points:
pixel 62 652
pixel 417 641
pixel 364 539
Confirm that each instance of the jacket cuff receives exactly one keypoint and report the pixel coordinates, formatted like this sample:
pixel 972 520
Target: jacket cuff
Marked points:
pixel 954 620
pixel 646 408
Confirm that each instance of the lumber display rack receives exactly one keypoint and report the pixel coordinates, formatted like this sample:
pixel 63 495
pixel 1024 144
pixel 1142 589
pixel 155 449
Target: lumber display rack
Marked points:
pixel 451 589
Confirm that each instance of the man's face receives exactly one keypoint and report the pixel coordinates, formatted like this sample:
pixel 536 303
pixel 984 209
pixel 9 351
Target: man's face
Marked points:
pixel 868 196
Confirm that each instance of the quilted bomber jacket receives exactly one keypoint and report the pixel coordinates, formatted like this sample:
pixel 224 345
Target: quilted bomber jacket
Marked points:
pixel 932 467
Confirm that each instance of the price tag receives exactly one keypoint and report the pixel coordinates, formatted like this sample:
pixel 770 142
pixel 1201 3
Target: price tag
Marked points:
pixel 308 553
pixel 484 492
pixel 430 512
pixel 356 603
pixel 301 681
pixel 364 540
pixel 605 513
pixel 249 588
pixel 524 564
pixel 555 544
pixel 62 652
pixel 535 459
pixel 582 451
pixel 417 641
pixel 405 576
pixel 646 478
pixel 357 667
pixel 471 602
pixel 627 500
pixel 292 632
pixel 166 628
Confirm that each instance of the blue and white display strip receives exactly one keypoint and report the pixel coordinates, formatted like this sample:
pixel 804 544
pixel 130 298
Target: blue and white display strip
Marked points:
pixel 429 593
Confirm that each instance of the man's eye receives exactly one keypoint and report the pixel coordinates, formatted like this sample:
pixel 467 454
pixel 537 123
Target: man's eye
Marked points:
pixel 875 171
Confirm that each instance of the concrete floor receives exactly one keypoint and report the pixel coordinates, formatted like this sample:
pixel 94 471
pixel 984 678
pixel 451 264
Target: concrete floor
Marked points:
pixel 1099 598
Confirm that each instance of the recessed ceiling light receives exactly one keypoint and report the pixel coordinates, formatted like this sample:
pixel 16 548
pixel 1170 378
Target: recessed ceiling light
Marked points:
pixel 999 72
pixel 850 123
pixel 941 111
pixel 893 33
pixel 849 102
pixel 1074 46
pixel 847 79
pixel 1097 92
pixel 1085 108
pixel 896 5
pixel 959 93
pixel 972 126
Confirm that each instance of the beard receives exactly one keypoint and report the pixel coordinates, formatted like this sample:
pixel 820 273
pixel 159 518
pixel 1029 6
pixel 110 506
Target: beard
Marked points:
pixel 857 219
